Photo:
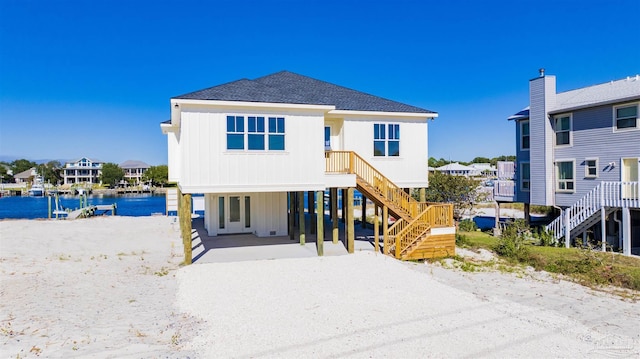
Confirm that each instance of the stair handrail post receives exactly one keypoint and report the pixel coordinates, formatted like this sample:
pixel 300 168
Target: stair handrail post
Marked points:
pixel 351 162
pixel 567 228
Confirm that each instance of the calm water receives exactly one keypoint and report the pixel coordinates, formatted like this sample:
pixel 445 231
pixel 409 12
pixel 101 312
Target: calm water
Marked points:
pixel 37 207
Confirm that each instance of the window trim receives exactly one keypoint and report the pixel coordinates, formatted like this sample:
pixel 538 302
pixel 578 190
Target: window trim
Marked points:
pixel 522 180
pixel 522 148
pixel 557 175
pixel 586 167
pixel 384 136
pixel 265 133
pixel 615 119
pixel 570 130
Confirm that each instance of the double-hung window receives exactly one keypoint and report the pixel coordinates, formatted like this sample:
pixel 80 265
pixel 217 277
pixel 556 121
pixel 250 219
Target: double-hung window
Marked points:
pixel 524 135
pixel 525 176
pixel 276 133
pixel 626 117
pixel 565 176
pixel 591 168
pixel 386 139
pixel 255 130
pixel 562 126
pixel 235 132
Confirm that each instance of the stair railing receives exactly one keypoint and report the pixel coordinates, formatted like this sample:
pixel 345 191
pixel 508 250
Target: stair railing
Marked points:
pixel 607 194
pixel 351 162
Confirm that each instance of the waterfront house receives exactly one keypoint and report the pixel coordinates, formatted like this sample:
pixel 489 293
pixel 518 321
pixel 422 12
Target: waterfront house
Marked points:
pixel 255 148
pixel 579 151
pixel 457 169
pixel 83 170
pixel 133 171
pixel 27 176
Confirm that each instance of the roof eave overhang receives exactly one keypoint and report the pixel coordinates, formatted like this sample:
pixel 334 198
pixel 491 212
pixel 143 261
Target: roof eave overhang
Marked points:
pixel 413 115
pixel 593 104
pixel 167 128
pixel 245 104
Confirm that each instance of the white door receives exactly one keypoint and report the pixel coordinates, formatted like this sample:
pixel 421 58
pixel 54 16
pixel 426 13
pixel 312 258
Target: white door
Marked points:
pixel 234 214
pixel 630 174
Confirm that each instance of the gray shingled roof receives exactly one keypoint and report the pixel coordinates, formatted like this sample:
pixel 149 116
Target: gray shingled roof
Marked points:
pixel 134 164
pixel 289 87
pixel 627 89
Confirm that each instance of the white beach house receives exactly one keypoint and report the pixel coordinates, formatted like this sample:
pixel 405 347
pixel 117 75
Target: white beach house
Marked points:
pixel 253 146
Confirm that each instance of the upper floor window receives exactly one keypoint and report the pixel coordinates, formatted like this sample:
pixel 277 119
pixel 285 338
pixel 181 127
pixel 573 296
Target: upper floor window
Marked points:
pixel 386 139
pixel 524 135
pixel 235 132
pixel 562 127
pixel 255 134
pixel 626 117
pixel 255 130
pixel 276 133
pixel 565 176
pixel 591 168
pixel 525 176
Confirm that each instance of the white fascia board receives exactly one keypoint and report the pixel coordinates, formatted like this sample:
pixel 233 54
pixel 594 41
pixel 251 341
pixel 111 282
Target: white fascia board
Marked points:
pixel 348 113
pixel 167 127
pixel 228 104
pixel 252 188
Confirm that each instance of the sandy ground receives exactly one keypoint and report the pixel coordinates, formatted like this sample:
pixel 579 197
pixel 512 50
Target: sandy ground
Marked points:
pixel 112 288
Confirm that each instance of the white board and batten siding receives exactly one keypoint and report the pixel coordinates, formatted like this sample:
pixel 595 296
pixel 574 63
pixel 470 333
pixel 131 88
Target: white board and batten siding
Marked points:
pixel 410 169
pixel 208 167
pixel 268 214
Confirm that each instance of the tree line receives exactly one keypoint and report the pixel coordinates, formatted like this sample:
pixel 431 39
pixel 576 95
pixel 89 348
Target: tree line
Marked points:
pixel 435 163
pixel 51 172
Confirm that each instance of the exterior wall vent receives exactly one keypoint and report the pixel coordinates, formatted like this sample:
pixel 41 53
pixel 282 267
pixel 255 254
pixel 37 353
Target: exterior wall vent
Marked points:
pixel 272 233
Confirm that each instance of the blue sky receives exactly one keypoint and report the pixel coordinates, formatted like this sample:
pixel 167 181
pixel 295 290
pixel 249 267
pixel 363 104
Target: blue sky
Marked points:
pixel 94 78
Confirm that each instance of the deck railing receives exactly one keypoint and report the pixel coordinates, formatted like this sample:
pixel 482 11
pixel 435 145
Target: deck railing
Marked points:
pixel 502 188
pixel 605 194
pixel 421 215
pixel 350 162
pixel 506 170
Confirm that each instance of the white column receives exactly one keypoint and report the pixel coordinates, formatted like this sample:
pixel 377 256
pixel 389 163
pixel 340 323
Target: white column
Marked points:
pixel 603 228
pixel 626 231
pixel 567 231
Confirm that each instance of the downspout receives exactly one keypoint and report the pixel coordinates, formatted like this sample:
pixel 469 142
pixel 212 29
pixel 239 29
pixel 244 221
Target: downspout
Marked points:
pixel 619 222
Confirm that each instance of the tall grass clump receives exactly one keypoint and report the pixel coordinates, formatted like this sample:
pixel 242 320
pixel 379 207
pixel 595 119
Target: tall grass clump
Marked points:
pixel 512 243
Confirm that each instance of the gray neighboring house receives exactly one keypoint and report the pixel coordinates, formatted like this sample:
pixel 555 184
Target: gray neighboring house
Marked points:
pixel 134 170
pixel 579 151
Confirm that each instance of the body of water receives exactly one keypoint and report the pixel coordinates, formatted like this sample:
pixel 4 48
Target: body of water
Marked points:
pixel 134 205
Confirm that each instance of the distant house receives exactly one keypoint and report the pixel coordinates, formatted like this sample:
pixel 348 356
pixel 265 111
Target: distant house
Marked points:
pixel 457 169
pixel 83 170
pixel 134 170
pixel 484 169
pixel 27 176
pixel 255 148
pixel 579 150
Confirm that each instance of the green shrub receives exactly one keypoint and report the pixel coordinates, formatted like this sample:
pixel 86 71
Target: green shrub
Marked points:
pixel 512 243
pixel 545 238
pixel 462 240
pixel 467 225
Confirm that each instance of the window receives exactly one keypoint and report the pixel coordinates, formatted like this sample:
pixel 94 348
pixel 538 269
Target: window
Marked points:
pixel 591 168
pixel 255 137
pixel 386 140
pixel 327 138
pixel 276 133
pixel 235 132
pixel 525 176
pixel 565 176
pixel 626 117
pixel 524 135
pixel 562 127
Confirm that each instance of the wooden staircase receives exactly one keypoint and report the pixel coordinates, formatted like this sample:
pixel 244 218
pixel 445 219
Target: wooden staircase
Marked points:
pixel 412 235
